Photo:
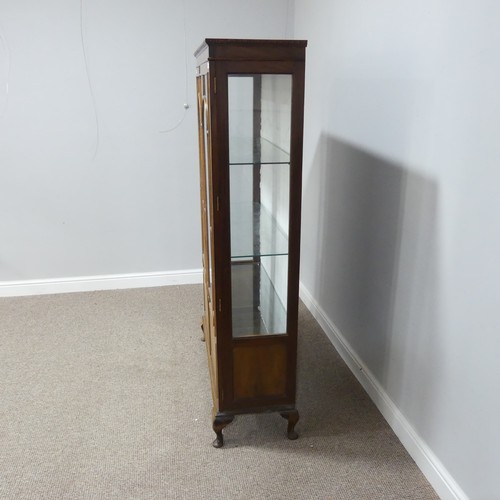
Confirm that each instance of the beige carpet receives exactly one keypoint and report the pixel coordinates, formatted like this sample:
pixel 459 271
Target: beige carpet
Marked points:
pixel 105 395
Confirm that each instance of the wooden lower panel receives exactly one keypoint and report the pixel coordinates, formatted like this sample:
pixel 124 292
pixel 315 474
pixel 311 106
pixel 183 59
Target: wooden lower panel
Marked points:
pixel 211 345
pixel 259 371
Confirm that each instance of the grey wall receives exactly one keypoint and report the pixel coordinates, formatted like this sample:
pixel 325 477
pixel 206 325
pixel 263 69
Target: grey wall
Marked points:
pixel 81 196
pixel 401 226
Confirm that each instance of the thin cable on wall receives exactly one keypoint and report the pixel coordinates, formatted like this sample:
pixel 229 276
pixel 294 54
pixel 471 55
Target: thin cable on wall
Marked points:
pixel 91 89
pixel 186 104
pixel 6 51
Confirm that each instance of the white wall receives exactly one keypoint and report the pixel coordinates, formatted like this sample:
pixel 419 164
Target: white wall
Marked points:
pixel 81 196
pixel 401 227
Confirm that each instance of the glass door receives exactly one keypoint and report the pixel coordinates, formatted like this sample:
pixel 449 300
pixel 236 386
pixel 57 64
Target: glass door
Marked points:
pixel 202 83
pixel 259 113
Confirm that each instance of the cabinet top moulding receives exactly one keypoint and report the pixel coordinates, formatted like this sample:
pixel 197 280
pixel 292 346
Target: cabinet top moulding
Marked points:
pixel 221 49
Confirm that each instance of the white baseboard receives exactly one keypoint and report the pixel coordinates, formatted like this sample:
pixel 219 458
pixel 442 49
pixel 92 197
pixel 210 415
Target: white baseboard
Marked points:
pixel 435 472
pixel 104 282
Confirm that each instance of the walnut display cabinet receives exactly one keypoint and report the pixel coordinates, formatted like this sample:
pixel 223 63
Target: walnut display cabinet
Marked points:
pixel 250 119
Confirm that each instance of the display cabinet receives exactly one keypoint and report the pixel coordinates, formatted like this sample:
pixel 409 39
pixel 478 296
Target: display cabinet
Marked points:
pixel 250 119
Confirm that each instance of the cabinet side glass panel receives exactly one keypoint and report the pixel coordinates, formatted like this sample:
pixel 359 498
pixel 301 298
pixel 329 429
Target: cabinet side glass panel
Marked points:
pixel 259 109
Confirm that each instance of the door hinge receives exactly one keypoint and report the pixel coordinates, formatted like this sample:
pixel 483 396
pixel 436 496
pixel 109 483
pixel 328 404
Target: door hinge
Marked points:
pixel 217 203
pixel 220 305
pixel 215 85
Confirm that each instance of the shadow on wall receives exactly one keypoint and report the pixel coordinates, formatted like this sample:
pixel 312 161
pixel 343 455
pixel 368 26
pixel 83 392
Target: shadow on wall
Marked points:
pixel 371 227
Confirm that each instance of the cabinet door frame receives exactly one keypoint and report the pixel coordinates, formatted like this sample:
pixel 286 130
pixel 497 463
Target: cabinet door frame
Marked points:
pixel 219 72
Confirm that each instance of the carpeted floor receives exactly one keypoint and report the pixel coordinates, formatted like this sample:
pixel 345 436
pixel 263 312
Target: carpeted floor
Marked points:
pixel 105 395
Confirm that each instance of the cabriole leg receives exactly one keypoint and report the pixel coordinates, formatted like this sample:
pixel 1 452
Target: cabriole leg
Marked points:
pixel 202 331
pixel 293 417
pixel 220 421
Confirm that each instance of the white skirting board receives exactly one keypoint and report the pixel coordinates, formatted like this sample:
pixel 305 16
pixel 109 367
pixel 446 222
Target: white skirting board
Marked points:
pixel 104 282
pixel 435 472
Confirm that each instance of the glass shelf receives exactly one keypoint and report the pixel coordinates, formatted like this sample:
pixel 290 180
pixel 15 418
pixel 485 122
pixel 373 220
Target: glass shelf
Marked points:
pixel 254 232
pixel 256 307
pixel 245 151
